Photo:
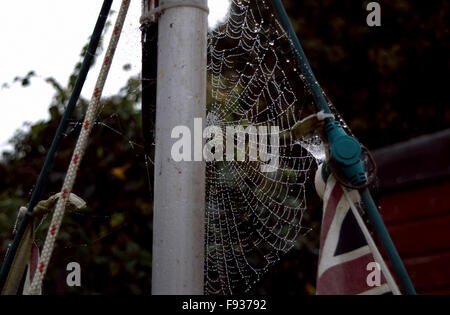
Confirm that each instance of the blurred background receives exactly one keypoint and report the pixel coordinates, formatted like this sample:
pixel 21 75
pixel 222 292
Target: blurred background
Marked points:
pixel 389 83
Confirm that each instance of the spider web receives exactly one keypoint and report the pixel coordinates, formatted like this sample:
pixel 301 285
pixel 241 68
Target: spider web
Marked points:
pixel 252 217
pixel 95 236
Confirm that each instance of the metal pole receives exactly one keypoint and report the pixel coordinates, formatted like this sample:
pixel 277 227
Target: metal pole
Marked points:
pixel 316 90
pixel 386 240
pixel 179 189
pixel 149 42
pixel 48 164
pixel 340 147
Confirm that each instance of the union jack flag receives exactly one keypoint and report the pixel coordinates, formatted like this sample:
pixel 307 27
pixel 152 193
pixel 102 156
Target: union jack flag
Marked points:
pixel 349 261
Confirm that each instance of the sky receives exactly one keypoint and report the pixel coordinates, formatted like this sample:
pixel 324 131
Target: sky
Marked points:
pixel 46 36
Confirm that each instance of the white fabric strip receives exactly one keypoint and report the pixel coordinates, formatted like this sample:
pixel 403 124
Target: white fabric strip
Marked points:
pixel 376 253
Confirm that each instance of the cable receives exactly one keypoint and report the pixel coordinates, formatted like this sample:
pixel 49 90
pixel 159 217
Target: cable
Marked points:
pixel 78 153
pixel 48 164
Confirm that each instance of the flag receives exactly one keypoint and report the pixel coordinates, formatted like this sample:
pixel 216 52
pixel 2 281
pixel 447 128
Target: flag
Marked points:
pixel 349 261
pixel 24 264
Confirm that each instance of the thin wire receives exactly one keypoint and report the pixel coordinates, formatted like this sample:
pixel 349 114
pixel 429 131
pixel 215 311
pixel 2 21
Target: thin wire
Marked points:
pixel 376 253
pixel 48 164
pixel 78 153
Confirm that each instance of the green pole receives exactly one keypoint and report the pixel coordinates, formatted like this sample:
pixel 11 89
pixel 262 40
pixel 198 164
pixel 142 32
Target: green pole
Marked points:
pixel 344 150
pixel 311 80
pixel 386 240
pixel 48 164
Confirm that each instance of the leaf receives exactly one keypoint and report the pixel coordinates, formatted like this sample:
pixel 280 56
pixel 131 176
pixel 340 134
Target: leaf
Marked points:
pixel 116 219
pixel 119 172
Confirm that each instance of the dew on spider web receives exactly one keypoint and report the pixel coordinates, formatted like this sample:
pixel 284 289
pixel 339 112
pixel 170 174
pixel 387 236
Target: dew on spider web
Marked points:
pixel 110 126
pixel 253 217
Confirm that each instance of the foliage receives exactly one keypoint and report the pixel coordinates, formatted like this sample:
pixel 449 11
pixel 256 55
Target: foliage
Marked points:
pixel 112 238
pixel 387 82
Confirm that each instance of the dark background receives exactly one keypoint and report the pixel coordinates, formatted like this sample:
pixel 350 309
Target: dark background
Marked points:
pixel 388 82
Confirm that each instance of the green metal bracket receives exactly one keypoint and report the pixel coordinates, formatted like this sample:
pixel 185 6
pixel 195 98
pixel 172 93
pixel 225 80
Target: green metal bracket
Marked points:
pixel 345 150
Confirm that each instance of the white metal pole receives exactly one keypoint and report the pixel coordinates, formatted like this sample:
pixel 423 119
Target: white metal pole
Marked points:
pixel 179 189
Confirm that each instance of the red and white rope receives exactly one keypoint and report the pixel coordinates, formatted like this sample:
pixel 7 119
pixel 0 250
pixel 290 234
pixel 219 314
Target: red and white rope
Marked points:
pixel 78 153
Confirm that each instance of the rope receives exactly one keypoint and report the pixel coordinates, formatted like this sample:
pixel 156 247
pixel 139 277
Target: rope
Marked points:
pixel 169 4
pixel 78 154
pixel 48 164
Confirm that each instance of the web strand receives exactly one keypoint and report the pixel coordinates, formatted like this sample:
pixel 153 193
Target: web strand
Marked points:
pixel 254 217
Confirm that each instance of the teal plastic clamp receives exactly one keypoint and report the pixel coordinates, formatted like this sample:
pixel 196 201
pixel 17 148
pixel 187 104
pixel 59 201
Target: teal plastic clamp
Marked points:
pixel 346 152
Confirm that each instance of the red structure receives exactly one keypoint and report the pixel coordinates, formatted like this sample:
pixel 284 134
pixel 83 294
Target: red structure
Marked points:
pixel 414 195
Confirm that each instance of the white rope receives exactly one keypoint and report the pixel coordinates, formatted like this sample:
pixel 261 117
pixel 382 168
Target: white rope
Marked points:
pixel 376 253
pixel 169 4
pixel 78 154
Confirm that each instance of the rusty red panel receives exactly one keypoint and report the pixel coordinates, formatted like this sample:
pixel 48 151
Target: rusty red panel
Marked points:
pixel 430 273
pixel 421 235
pixel 416 203
pixel 438 291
